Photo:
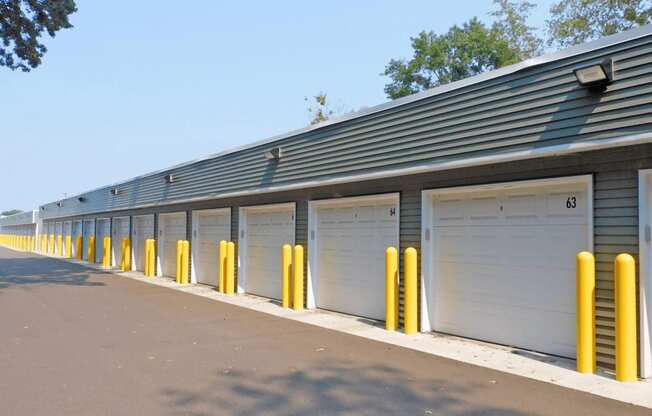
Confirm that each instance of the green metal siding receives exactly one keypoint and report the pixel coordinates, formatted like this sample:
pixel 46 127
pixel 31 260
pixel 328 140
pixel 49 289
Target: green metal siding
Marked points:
pixel 530 109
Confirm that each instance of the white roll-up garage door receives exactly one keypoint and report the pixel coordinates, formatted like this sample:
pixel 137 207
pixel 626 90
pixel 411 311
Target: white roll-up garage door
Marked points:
pixel 102 229
pixel 209 228
pixel 120 231
pixel 172 228
pixel 89 231
pixel 76 232
pixel 347 258
pixel 264 231
pixel 503 261
pixel 143 230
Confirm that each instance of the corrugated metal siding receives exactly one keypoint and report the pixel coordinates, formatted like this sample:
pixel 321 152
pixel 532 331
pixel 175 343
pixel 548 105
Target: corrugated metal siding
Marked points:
pixel 23 218
pixel 530 109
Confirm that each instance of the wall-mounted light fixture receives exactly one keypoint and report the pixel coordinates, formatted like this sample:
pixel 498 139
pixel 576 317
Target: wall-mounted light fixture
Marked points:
pixel 42 208
pixel 60 204
pixel 115 191
pixel 169 178
pixel 595 76
pixel 81 199
pixel 274 154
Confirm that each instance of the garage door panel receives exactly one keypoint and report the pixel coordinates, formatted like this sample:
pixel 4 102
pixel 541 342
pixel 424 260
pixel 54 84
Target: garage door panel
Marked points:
pixel 173 229
pixel 351 243
pixel 505 269
pixel 143 229
pixel 267 231
pixel 211 228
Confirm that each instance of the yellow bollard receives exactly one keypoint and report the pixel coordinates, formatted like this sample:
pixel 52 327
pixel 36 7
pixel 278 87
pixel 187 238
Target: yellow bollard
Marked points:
pixel 91 249
pixel 625 287
pixel 146 271
pixel 79 248
pixel 179 259
pixel 410 265
pixel 297 283
pixel 391 289
pixel 150 258
pixel 125 255
pixel 68 246
pixel 185 261
pixel 222 266
pixel 286 270
pixel 230 268
pixel 586 362
pixel 106 248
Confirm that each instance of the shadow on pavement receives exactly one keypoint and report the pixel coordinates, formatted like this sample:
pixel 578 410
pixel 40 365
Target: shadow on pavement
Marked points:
pixel 333 388
pixel 28 270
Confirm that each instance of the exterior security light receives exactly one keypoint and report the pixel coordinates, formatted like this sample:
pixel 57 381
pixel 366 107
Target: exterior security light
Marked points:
pixel 595 76
pixel 81 199
pixel 60 204
pixel 274 154
pixel 42 208
pixel 114 191
pixel 169 178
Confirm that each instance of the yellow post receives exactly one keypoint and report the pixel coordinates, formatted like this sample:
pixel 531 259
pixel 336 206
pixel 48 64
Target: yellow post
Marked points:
pixel 59 245
pixel 146 271
pixel 91 249
pixel 230 268
pixel 125 258
pixel 106 247
pixel 222 266
pixel 391 289
pixel 586 362
pixel 297 284
pixel 51 247
pixel 79 248
pixel 68 246
pixel 150 257
pixel 625 286
pixel 179 259
pixel 185 261
pixel 410 272
pixel 286 270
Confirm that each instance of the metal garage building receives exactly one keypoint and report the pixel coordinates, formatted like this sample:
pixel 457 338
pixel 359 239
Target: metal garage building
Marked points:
pixel 498 180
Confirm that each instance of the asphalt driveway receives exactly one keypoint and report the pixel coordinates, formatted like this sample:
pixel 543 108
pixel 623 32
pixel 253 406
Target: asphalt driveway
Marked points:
pixel 75 341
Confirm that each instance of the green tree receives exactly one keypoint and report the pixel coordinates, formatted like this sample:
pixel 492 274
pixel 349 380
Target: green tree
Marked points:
pixel 10 212
pixel 23 22
pixel 510 19
pixel 463 51
pixel 576 21
pixel 319 108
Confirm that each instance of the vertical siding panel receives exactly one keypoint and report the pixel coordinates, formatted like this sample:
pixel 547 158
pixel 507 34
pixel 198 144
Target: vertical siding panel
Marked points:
pixel 409 236
pixel 301 238
pixel 615 232
pixel 235 237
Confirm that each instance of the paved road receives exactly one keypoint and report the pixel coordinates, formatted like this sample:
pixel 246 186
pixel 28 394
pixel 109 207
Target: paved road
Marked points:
pixel 77 342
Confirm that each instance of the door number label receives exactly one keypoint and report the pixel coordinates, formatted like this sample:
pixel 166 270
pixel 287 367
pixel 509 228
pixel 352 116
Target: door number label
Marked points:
pixel 571 202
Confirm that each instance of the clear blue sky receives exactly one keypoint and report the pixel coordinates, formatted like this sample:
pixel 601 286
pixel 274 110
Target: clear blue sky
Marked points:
pixel 137 86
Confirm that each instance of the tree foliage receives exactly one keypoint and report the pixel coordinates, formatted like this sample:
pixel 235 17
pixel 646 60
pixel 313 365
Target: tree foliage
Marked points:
pixel 10 212
pixel 576 21
pixel 510 20
pixel 463 51
pixel 23 22
pixel 319 108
